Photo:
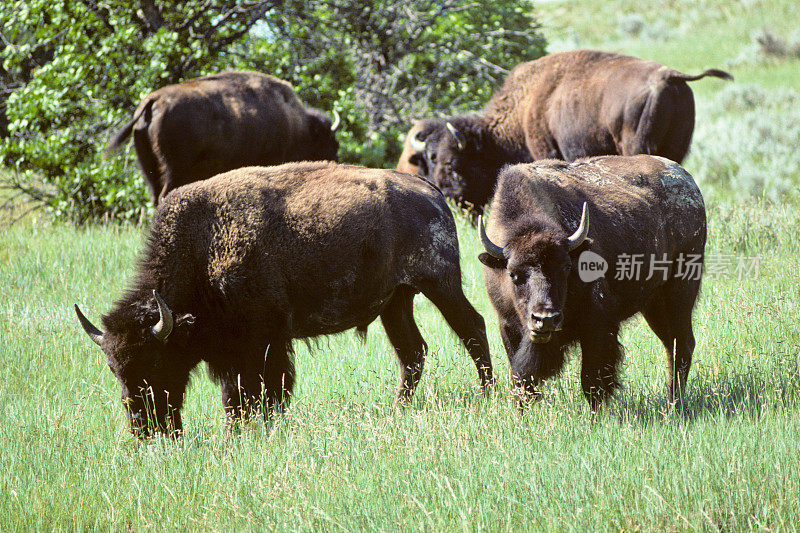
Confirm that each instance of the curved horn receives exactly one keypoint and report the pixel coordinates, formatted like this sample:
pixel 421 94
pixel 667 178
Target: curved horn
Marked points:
pixel 460 140
pixel 416 143
pixel 95 334
pixel 337 121
pixel 577 238
pixel 164 327
pixel 490 247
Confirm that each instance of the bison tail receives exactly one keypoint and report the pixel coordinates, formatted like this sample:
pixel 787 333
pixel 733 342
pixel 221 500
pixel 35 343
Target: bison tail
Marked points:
pixel 710 72
pixel 122 135
pixel 119 138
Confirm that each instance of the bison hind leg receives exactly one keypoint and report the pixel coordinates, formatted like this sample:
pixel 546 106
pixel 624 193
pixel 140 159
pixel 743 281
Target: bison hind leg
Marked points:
pixel 665 125
pixel 669 315
pixel 464 320
pixel 149 162
pixel 397 318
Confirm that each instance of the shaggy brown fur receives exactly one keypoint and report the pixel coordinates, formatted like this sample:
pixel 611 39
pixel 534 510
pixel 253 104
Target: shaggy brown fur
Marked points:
pixel 636 205
pixel 253 258
pixel 196 129
pixel 564 106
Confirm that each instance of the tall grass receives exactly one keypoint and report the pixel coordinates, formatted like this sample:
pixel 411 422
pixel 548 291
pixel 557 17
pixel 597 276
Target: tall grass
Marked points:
pixel 346 458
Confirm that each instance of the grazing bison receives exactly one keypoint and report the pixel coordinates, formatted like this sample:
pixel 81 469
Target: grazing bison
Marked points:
pixel 238 265
pixel 193 130
pixel 642 216
pixel 564 106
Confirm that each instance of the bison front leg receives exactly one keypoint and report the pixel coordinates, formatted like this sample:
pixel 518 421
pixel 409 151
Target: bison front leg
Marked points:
pixel 241 396
pixel 398 321
pixel 262 385
pixel 278 375
pixel 511 335
pixel 532 363
pixel 601 354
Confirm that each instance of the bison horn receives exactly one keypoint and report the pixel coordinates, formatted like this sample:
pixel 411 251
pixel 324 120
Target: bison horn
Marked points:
pixel 577 238
pixel 417 144
pixel 460 140
pixel 490 247
pixel 95 334
pixel 164 327
pixel 337 121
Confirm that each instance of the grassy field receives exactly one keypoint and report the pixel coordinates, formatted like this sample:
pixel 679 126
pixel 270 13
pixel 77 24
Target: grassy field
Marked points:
pixel 345 458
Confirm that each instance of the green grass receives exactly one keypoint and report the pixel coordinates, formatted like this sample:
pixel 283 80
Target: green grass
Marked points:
pixel 345 457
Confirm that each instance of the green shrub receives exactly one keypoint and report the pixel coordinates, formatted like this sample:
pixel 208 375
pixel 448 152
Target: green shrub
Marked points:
pixel 76 70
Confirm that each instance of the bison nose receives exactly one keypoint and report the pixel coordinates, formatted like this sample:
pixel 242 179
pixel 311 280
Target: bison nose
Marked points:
pixel 547 321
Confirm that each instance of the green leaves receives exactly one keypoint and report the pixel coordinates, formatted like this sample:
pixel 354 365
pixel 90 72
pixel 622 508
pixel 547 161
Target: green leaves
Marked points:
pixel 76 70
pixel 73 72
pixel 386 63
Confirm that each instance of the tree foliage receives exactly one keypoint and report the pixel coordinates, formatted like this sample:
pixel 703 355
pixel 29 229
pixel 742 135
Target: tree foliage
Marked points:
pixel 395 61
pixel 73 71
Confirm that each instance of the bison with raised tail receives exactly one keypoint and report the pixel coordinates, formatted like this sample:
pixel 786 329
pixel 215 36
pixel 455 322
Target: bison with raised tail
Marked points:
pixel 563 106
pixel 238 265
pixel 193 130
pixel 641 216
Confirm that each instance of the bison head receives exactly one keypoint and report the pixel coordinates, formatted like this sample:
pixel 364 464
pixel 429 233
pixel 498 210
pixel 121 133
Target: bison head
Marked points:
pixel 412 159
pixel 141 352
pixel 461 158
pixel 322 132
pixel 538 262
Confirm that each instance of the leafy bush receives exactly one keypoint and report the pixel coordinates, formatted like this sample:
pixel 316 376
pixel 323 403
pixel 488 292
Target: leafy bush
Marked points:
pixel 79 69
pixel 76 70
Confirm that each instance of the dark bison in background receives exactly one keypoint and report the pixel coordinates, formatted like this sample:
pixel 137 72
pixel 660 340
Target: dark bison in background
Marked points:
pixel 238 265
pixel 565 106
pixel 548 216
pixel 193 130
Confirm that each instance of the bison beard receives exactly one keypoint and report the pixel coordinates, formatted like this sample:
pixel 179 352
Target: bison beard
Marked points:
pixel 239 265
pixel 641 205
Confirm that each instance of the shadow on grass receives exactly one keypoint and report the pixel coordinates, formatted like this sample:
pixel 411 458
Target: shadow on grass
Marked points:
pixel 747 394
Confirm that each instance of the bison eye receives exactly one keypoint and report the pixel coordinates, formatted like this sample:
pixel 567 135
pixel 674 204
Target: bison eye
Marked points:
pixel 517 278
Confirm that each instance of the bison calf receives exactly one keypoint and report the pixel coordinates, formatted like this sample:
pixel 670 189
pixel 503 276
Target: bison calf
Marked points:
pixel 555 281
pixel 239 265
pixel 193 130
